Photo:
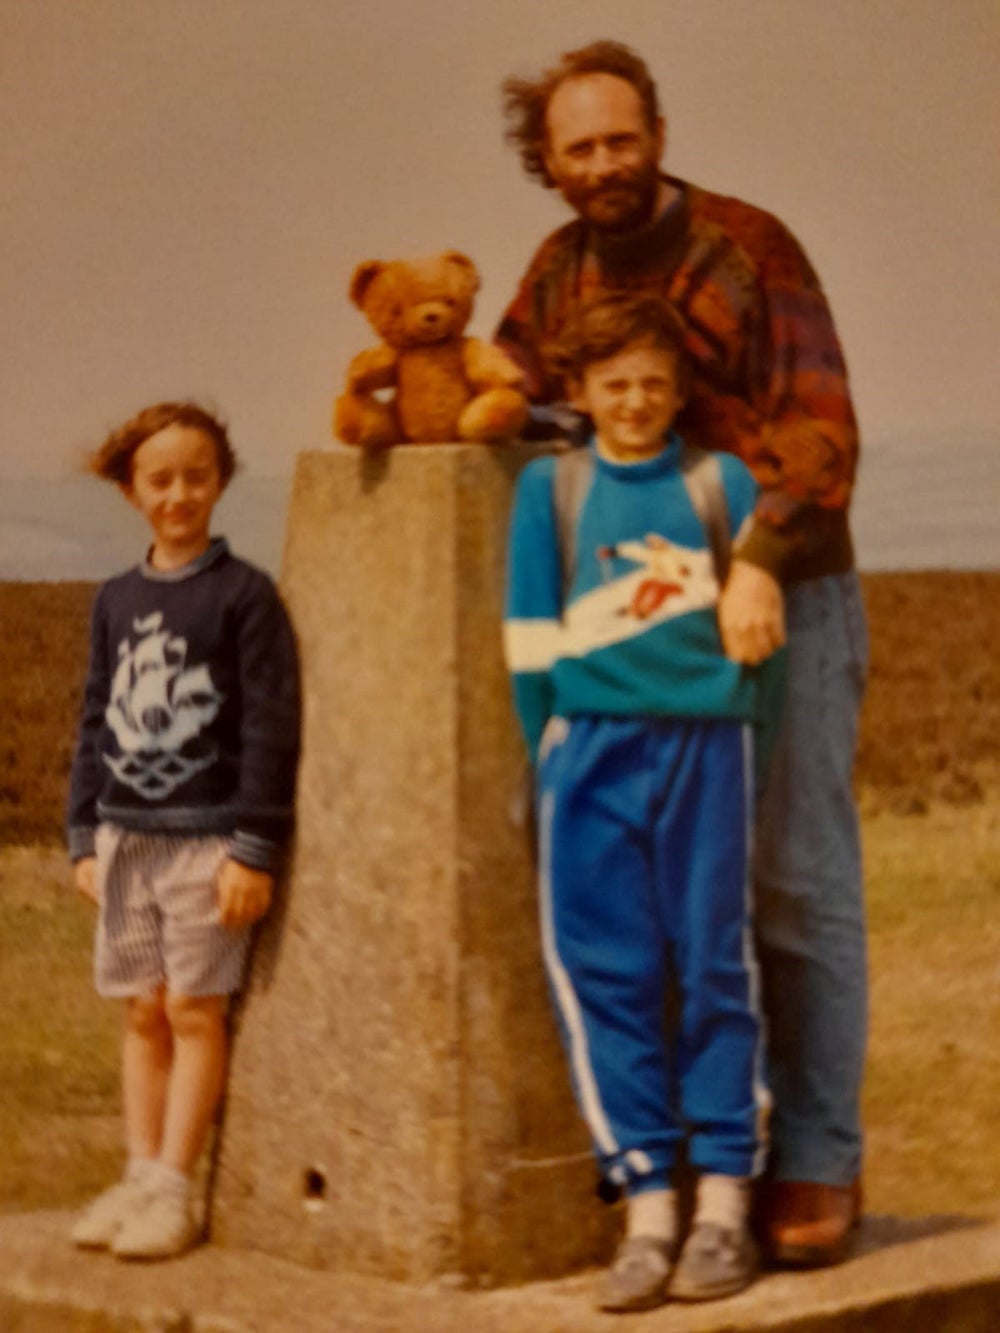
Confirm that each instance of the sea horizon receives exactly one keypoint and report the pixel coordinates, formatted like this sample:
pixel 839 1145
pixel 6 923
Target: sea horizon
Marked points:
pixel 916 506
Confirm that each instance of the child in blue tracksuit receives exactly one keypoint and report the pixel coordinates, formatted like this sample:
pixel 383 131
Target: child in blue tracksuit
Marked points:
pixel 642 732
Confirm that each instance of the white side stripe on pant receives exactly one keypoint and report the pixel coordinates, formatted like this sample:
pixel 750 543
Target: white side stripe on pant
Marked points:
pixel 762 1093
pixel 569 1006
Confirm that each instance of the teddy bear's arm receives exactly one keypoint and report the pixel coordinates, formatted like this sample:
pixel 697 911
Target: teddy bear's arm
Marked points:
pixel 487 367
pixel 374 368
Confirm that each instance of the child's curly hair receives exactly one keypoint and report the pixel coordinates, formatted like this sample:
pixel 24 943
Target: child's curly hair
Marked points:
pixel 605 325
pixel 113 460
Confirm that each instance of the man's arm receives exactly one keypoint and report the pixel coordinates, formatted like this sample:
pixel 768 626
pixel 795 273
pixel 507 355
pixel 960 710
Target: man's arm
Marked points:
pixel 516 336
pixel 793 422
pixel 537 310
pixel 550 417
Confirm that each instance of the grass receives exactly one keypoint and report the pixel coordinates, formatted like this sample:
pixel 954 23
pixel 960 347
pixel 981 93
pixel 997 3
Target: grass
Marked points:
pixel 930 728
pixel 43 657
pixel 933 1084
pixel 59 1102
pixel 929 780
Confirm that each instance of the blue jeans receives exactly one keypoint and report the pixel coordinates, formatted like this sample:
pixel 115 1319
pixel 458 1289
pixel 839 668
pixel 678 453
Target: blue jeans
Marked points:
pixel 810 905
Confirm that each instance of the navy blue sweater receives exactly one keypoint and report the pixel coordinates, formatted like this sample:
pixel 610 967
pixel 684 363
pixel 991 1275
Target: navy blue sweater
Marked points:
pixel 191 713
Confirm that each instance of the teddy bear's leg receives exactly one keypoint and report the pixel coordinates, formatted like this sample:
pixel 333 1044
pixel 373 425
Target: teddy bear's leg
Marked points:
pixel 497 414
pixel 365 421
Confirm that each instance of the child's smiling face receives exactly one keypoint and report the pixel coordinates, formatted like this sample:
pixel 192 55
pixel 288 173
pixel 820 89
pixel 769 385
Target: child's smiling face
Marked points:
pixel 632 398
pixel 175 485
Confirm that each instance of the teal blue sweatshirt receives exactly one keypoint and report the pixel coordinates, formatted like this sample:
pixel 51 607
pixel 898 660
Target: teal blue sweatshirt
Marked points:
pixel 638 634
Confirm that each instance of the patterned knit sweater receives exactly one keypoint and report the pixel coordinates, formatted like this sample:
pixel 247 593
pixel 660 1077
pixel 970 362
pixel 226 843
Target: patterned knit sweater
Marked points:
pixel 770 379
pixel 190 719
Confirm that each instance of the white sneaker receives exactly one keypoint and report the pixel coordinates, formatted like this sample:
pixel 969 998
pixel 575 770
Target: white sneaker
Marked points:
pixel 101 1220
pixel 162 1227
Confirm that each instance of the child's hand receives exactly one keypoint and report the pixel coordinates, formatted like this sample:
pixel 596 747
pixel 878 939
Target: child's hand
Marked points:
pixel 751 614
pixel 244 894
pixel 85 878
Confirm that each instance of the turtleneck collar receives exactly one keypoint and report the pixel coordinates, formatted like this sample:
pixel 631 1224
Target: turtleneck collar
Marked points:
pixel 642 469
pixel 644 245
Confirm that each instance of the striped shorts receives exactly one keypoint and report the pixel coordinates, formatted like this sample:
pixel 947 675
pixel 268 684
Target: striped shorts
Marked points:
pixel 158 921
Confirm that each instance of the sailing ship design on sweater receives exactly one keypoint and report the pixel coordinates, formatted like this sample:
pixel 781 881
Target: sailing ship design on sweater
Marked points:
pixel 158 703
pixel 190 720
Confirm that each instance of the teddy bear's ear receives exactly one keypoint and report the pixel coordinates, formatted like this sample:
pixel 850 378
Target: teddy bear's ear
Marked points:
pixel 463 262
pixel 362 279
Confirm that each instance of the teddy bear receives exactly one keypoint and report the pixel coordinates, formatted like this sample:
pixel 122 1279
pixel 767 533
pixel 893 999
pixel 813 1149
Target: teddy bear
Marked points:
pixel 447 386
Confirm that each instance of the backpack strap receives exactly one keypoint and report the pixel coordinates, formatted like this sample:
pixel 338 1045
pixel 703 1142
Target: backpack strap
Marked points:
pixel 574 472
pixel 702 477
pixel 703 480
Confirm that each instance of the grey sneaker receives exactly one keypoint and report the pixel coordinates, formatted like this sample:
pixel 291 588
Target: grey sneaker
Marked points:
pixel 637 1278
pixel 161 1228
pixel 715 1261
pixel 101 1220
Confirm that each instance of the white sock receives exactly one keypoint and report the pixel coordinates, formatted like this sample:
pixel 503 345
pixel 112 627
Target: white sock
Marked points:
pixel 652 1213
pixel 723 1200
pixel 169 1182
pixel 137 1169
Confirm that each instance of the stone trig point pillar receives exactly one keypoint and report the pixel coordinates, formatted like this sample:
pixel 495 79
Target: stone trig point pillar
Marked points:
pixel 398 1104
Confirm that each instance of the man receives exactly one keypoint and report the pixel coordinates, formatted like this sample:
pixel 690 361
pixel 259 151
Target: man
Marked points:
pixel 770 386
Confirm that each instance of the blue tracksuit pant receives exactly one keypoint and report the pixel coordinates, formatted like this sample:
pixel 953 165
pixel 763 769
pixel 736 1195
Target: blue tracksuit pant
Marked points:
pixel 644 845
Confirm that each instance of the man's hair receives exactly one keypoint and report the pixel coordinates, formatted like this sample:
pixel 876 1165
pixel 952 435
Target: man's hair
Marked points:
pixel 525 101
pixel 606 325
pixel 113 460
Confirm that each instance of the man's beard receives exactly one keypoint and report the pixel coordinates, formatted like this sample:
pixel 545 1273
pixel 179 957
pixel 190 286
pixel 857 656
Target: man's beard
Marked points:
pixel 621 204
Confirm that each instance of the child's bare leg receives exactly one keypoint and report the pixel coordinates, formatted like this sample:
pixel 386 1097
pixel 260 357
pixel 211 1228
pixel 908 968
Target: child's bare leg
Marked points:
pixel 198 1025
pixel 168 1224
pixel 147 1050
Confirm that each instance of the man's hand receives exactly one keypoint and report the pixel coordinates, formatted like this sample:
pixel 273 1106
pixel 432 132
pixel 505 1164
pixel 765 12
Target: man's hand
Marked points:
pixel 85 878
pixel 751 614
pixel 244 894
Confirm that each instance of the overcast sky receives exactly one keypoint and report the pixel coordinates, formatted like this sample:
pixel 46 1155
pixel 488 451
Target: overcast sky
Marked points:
pixel 188 186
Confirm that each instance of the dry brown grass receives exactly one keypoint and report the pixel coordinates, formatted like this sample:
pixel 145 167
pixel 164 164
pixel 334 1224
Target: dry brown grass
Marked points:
pixel 60 1127
pixel 931 724
pixel 933 1082
pixel 930 729
pixel 43 658
pixel 930 743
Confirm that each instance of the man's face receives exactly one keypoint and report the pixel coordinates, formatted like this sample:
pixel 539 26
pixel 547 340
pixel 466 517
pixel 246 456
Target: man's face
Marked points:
pixel 601 153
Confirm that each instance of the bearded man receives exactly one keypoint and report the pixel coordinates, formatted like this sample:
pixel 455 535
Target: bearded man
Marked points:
pixel 770 385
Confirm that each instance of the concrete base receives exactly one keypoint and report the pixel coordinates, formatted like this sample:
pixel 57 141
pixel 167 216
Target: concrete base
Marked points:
pixel 398 1104
pixel 934 1276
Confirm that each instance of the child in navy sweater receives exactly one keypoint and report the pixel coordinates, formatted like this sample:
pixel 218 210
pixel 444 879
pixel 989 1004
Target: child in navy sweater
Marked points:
pixel 642 733
pixel 181 800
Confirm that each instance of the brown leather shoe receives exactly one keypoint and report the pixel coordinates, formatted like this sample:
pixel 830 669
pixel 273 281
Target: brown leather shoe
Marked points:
pixel 807 1225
